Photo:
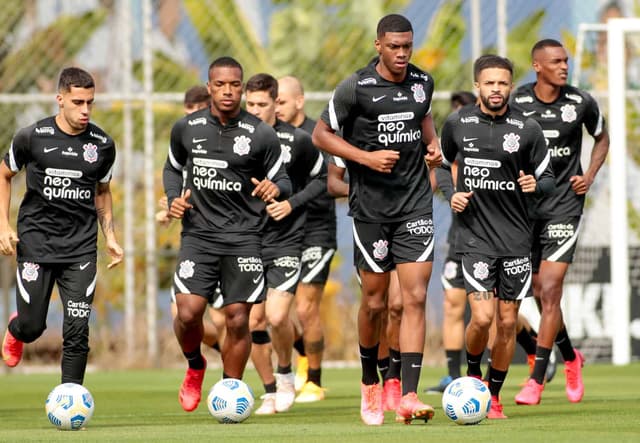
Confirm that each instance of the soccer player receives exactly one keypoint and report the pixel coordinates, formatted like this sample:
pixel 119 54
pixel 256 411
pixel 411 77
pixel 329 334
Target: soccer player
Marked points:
pixel 501 157
pixel 196 98
pixel 562 111
pixel 384 112
pixel 232 166
pixel 68 162
pixel 455 297
pixel 282 240
pixel 318 247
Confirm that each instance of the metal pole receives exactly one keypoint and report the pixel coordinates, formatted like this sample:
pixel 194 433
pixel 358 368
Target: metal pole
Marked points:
pixel 621 346
pixel 149 188
pixel 501 18
pixel 125 18
pixel 476 35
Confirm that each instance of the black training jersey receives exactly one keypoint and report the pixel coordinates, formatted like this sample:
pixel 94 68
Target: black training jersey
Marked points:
pixel 320 228
pixel 308 173
pixel 219 162
pixel 491 152
pixel 375 114
pixel 57 221
pixel 561 123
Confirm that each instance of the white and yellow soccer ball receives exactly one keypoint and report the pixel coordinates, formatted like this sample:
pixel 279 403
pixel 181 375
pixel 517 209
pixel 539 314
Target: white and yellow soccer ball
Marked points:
pixel 230 401
pixel 466 400
pixel 69 406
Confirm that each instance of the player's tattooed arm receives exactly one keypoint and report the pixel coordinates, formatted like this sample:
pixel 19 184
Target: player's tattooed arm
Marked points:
pixel 103 202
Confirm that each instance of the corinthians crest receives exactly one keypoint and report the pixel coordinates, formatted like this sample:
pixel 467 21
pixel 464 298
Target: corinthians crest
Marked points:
pixel 511 142
pixel 569 113
pixel 480 270
pixel 241 145
pixel 186 269
pixel 418 93
pixel 381 249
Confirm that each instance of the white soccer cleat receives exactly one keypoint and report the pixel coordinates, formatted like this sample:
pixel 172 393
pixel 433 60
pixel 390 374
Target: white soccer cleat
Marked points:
pixel 285 391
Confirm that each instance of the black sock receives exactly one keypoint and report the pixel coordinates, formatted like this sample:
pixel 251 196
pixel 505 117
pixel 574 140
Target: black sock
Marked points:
pixel 540 366
pixel 453 362
pixel 194 359
pixel 383 367
pixel 313 375
pixel 486 374
pixel 369 363
pixel 564 344
pixel 284 369
pixel 496 379
pixel 395 362
pixel 411 366
pixel 298 345
pixel 473 364
pixel 526 341
pixel 270 388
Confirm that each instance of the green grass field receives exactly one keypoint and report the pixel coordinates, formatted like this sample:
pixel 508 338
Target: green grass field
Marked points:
pixel 143 406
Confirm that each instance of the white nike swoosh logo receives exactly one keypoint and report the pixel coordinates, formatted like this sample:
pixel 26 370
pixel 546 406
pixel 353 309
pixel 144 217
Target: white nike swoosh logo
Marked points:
pixel 290 273
pixel 257 279
pixel 83 267
pixel 377 99
pixel 528 113
pixel 199 140
pixel 470 139
pixel 46 150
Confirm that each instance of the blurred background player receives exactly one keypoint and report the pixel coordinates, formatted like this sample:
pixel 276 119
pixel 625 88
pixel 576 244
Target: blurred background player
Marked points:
pixel 562 111
pixel 318 247
pixel 58 223
pixel 196 98
pixel 282 238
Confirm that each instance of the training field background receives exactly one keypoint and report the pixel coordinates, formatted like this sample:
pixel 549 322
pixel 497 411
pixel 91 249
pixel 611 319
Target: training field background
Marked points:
pixel 143 406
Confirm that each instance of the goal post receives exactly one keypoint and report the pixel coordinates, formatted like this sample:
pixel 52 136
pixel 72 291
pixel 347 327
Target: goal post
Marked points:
pixel 617 30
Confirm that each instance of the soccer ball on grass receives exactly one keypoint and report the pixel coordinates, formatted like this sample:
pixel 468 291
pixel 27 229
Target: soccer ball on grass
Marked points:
pixel 466 400
pixel 69 406
pixel 230 401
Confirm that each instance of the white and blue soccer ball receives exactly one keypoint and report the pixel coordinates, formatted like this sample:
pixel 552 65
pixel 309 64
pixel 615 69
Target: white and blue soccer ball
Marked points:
pixel 69 406
pixel 230 401
pixel 466 400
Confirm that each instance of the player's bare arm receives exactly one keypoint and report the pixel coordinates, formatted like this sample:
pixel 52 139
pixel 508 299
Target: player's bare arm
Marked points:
pixel 581 183
pixel 266 190
pixel 105 217
pixel 382 160
pixel 8 237
pixel 430 138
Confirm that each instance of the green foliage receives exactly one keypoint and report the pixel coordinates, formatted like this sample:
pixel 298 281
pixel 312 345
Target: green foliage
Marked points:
pixel 48 51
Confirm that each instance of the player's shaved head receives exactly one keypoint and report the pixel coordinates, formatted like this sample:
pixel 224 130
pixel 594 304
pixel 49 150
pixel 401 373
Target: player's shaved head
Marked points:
pixel 543 44
pixel 290 84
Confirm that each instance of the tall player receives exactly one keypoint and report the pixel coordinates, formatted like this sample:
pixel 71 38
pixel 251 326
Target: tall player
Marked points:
pixel 501 157
pixel 384 112
pixel 68 162
pixel 562 111
pixel 318 247
pixel 233 167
